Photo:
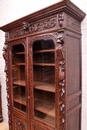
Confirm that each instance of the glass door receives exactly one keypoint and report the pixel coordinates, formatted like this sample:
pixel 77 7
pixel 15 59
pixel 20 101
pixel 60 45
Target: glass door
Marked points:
pixel 18 77
pixel 44 80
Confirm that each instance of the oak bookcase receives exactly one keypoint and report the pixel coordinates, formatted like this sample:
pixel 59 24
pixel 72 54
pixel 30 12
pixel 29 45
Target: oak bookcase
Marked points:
pixel 42 53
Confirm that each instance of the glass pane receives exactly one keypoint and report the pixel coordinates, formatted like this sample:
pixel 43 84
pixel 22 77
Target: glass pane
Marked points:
pixel 18 77
pixel 44 80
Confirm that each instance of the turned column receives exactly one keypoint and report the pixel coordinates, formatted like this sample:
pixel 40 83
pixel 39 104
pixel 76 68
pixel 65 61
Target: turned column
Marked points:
pixel 1 118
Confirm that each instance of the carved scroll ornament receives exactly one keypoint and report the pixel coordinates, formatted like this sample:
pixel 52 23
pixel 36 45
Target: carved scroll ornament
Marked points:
pixel 34 27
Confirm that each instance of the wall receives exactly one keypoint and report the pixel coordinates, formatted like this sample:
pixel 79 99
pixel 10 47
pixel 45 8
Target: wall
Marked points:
pixel 11 10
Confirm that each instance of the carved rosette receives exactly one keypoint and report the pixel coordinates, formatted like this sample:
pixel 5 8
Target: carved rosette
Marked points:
pixel 60 53
pixel 20 125
pixel 61 19
pixel 5 56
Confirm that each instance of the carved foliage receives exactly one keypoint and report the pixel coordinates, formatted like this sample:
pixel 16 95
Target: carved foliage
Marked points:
pixel 60 19
pixel 20 125
pixel 61 78
pixel 34 27
pixel 5 55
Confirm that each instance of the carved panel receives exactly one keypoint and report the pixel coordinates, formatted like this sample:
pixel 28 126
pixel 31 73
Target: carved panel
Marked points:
pixel 34 27
pixel 71 22
pixel 60 78
pixel 20 125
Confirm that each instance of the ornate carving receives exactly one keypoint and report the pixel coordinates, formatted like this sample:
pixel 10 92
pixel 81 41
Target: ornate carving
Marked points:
pixel 60 19
pixel 60 51
pixel 20 125
pixel 5 55
pixel 29 28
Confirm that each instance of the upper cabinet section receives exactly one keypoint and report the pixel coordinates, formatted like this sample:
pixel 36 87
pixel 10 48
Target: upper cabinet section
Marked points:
pixel 61 15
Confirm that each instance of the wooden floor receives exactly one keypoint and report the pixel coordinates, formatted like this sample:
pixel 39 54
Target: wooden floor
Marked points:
pixel 3 126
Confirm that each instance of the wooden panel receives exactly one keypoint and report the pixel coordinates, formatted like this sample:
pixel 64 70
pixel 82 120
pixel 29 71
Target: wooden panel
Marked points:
pixel 73 121
pixel 20 123
pixel 73 64
pixel 73 102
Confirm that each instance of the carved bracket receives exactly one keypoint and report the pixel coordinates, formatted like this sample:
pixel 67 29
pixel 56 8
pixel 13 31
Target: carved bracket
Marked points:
pixel 60 19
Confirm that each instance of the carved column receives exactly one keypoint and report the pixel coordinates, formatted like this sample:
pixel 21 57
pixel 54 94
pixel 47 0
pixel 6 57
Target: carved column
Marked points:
pixel 61 79
pixel 1 118
pixel 5 56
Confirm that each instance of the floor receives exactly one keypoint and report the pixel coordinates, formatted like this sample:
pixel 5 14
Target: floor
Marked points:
pixel 3 126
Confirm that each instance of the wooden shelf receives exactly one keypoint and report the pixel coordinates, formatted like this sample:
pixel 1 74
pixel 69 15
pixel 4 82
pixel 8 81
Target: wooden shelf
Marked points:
pixel 18 64
pixel 46 111
pixel 20 100
pixel 19 53
pixel 44 64
pixel 44 51
pixel 19 82
pixel 45 107
pixel 44 86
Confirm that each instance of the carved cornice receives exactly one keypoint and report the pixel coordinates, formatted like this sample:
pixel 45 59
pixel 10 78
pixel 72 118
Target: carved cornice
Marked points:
pixel 33 27
pixel 75 8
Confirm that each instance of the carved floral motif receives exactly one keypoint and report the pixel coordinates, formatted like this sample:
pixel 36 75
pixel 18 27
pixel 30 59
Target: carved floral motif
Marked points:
pixel 29 28
pixel 61 81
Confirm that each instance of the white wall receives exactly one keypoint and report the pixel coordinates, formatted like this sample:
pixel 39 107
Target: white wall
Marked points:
pixel 11 10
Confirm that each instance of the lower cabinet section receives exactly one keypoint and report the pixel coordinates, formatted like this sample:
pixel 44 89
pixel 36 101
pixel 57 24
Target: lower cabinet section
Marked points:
pixel 19 123
pixel 38 125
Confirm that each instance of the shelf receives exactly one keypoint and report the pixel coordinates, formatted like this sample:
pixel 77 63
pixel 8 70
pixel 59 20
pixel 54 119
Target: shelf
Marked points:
pixel 19 82
pixel 19 53
pixel 43 51
pixel 44 86
pixel 18 64
pixel 46 111
pixel 20 100
pixel 45 107
pixel 44 64
pixel 48 119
